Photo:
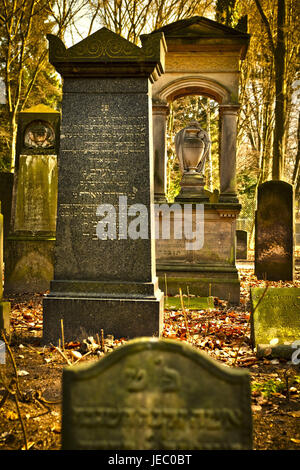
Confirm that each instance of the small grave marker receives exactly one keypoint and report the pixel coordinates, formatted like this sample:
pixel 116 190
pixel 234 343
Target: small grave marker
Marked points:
pixel 156 394
pixel 277 317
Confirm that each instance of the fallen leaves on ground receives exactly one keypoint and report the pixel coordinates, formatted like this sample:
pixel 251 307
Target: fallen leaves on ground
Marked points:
pixel 222 332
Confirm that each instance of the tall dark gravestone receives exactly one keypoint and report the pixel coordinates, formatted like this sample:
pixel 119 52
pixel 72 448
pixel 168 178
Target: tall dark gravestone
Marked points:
pixel 241 244
pixel 105 161
pixel 274 232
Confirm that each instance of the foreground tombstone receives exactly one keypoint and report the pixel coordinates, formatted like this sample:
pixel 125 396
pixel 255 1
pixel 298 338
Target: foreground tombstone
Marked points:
pixel 275 320
pixel 156 394
pixel 105 166
pixel 4 306
pixel 274 232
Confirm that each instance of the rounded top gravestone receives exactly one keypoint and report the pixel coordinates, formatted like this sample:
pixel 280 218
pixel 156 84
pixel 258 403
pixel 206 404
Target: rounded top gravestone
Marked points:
pixel 274 231
pixel 156 394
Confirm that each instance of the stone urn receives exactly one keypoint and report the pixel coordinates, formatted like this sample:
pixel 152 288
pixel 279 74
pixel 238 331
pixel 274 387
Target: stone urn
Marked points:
pixel 192 145
pixel 192 150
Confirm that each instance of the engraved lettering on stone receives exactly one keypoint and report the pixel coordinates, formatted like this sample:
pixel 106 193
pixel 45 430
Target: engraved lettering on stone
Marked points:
pixel 135 379
pixel 172 419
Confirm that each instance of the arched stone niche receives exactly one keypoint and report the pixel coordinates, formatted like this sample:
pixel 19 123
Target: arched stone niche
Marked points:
pixel 203 58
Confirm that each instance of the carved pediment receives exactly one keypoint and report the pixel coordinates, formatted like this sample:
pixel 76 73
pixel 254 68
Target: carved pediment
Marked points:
pixel 106 54
pixel 197 27
pixel 104 45
pixel 201 34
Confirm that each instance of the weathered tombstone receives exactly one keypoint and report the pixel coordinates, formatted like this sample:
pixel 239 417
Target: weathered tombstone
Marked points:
pixel 4 306
pixel 156 394
pixel 241 244
pixel 274 232
pixel 30 244
pixel 275 321
pixel 105 161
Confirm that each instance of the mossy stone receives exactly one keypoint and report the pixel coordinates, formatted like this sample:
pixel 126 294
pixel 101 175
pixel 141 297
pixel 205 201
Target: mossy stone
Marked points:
pixel 275 320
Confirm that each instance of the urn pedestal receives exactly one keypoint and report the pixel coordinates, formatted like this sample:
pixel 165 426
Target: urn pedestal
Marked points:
pixel 192 186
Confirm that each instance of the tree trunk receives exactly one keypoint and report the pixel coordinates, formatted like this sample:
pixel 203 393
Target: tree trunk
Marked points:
pixel 14 129
pixel 280 87
pixel 296 174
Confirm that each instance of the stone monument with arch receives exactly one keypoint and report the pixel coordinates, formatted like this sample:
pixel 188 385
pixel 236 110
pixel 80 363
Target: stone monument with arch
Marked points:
pixel 203 58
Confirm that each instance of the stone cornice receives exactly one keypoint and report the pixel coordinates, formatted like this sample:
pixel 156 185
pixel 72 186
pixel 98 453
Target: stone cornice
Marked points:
pixel 106 54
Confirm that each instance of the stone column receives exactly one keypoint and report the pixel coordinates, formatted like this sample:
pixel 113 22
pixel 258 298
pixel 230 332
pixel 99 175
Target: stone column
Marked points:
pixel 160 112
pixel 228 121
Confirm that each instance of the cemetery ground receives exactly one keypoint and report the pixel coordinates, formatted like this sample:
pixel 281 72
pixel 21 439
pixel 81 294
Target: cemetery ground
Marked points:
pixel 30 417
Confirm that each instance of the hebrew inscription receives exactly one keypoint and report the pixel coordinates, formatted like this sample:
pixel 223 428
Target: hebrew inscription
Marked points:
pixel 104 154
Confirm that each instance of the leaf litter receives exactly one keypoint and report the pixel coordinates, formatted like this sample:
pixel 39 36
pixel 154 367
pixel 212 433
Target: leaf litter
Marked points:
pixel 223 332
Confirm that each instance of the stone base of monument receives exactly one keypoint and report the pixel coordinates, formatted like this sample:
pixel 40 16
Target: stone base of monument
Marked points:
pixel 190 303
pixel 222 283
pixel 121 309
pixel 209 268
pixel 5 316
pixel 192 187
pixel 29 263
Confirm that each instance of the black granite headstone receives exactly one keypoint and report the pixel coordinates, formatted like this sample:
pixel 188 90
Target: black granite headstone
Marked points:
pixel 274 232
pixel 105 154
